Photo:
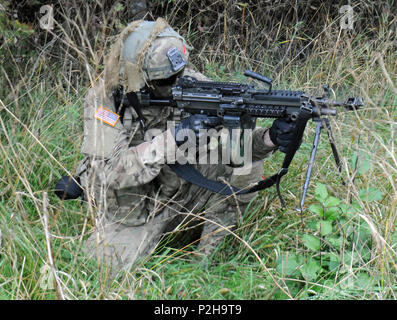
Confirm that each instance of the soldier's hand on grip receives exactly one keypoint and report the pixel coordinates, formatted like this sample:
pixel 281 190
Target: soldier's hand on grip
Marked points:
pixel 281 133
pixel 193 127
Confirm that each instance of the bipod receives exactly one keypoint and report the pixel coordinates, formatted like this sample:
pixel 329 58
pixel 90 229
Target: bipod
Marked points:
pixel 321 124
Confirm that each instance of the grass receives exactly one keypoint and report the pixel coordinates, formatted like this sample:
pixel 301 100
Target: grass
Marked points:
pixel 345 248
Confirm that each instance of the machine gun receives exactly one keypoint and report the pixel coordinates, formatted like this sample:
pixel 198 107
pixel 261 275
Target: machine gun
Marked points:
pixel 238 105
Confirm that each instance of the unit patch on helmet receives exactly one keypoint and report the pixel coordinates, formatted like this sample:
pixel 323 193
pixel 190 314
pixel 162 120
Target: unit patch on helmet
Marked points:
pixel 176 59
pixel 107 116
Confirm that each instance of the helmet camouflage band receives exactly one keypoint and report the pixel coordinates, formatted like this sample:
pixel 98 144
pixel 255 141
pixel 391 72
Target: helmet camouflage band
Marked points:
pixel 152 51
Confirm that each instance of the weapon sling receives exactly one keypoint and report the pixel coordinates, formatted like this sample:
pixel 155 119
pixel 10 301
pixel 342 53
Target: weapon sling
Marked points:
pixel 192 175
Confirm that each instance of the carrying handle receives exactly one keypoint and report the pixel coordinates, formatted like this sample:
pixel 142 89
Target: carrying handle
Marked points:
pixel 257 76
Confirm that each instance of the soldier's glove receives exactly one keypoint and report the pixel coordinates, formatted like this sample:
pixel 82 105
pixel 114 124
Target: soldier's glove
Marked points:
pixel 66 188
pixel 281 133
pixel 190 127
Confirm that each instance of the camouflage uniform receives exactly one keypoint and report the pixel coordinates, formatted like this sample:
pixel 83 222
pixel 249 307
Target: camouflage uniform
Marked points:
pixel 136 195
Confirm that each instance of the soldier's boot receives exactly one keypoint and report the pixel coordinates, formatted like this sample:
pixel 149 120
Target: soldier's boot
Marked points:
pixel 118 247
pixel 216 228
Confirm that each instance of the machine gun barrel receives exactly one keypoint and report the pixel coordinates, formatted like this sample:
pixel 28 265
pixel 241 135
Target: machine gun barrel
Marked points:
pixel 237 99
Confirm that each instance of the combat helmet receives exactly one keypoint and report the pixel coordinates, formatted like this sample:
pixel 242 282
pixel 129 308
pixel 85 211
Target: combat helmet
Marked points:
pixel 146 51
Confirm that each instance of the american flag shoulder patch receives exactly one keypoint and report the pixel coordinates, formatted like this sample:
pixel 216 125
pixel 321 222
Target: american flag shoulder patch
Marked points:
pixel 107 116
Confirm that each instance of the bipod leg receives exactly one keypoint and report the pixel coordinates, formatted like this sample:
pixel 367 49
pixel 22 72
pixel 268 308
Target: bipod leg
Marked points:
pixel 333 147
pixel 311 162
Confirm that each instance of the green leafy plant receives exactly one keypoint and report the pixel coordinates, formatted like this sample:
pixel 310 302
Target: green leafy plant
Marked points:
pixel 335 238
